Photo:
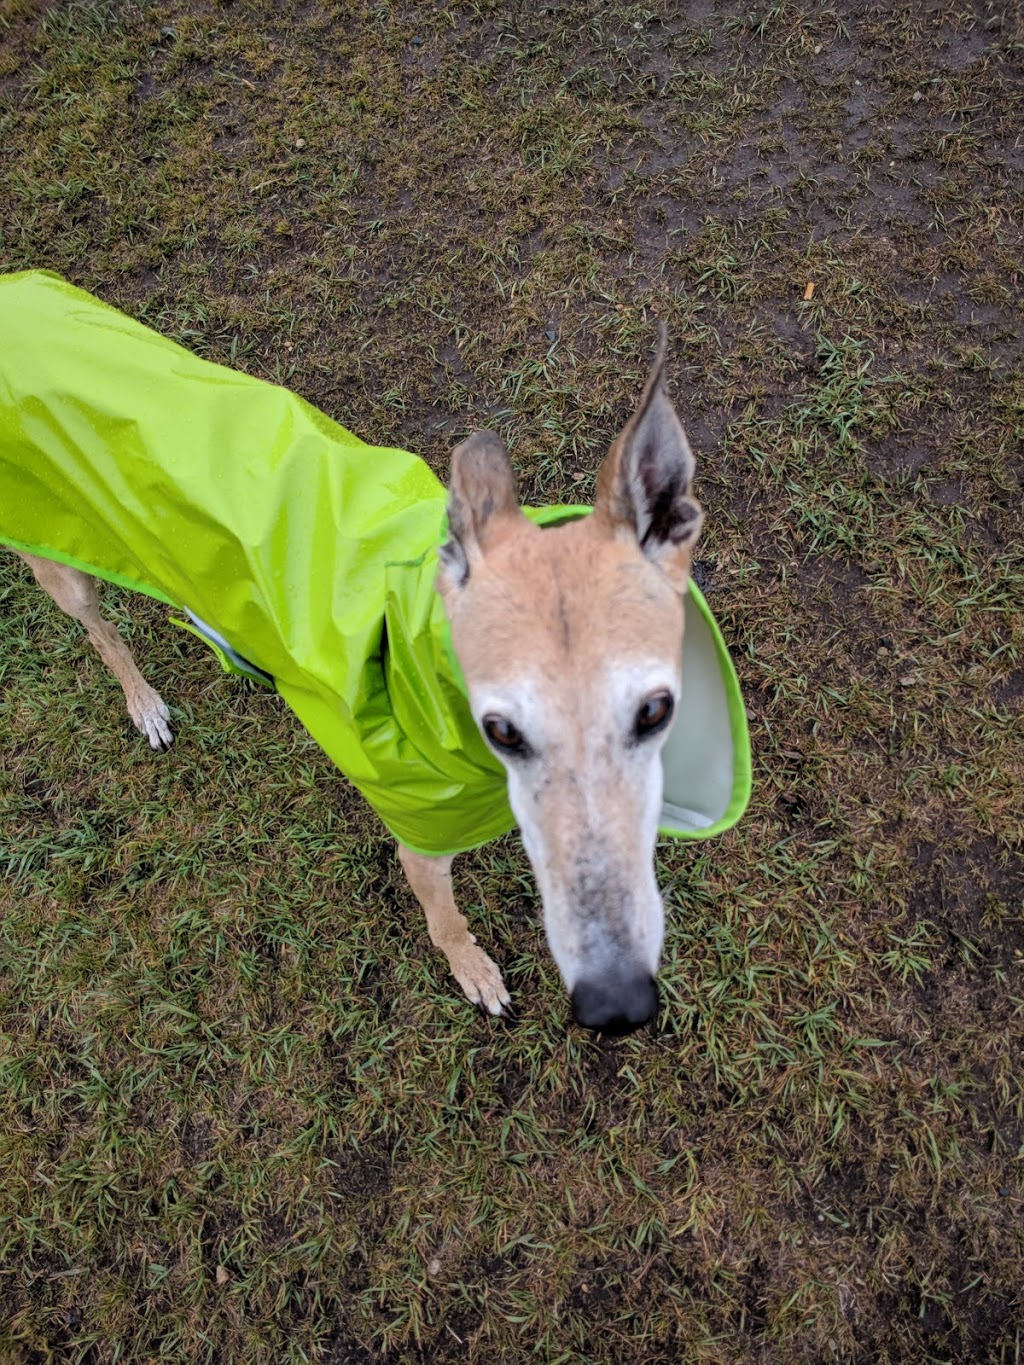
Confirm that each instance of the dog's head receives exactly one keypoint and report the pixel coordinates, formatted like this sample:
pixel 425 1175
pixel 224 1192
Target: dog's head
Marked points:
pixel 570 641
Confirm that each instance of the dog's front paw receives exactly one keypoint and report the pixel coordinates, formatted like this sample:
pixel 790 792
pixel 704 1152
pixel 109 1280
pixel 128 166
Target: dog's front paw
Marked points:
pixel 479 978
pixel 149 712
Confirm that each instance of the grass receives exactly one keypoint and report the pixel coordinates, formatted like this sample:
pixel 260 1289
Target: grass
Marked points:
pixel 245 1114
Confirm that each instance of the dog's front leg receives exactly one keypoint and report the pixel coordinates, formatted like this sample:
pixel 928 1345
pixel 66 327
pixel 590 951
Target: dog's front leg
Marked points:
pixel 431 880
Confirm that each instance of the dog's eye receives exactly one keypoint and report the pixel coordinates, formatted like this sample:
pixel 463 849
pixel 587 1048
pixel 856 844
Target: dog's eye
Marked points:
pixel 654 714
pixel 504 735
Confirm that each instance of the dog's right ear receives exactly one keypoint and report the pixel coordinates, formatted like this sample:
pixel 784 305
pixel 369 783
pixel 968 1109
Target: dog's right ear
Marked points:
pixel 482 501
pixel 644 486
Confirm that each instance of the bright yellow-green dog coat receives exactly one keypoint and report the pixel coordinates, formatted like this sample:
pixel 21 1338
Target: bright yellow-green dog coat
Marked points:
pixel 292 546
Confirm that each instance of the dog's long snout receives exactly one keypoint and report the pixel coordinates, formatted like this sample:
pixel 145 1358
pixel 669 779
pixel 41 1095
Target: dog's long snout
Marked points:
pixel 615 1004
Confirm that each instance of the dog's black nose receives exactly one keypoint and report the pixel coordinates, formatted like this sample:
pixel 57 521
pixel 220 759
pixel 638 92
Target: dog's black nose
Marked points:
pixel 616 1006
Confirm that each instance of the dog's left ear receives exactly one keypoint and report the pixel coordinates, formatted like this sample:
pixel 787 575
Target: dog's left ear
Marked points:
pixel 482 501
pixel 644 485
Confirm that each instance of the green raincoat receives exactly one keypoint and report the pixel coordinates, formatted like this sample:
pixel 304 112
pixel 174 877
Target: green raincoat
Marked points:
pixel 304 556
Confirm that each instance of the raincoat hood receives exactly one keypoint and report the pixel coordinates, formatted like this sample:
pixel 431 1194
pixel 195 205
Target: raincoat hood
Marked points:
pixel 305 557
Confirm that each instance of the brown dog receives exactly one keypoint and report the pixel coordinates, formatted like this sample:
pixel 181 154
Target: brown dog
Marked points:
pixel 570 641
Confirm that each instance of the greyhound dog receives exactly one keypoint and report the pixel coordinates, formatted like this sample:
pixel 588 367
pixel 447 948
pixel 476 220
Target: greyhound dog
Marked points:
pixel 570 642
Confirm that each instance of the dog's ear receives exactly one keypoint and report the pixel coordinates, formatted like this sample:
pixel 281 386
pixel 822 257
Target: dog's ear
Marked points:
pixel 482 501
pixel 644 486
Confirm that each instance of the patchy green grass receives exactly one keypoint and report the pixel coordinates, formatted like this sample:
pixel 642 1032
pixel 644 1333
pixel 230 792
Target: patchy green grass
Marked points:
pixel 244 1115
